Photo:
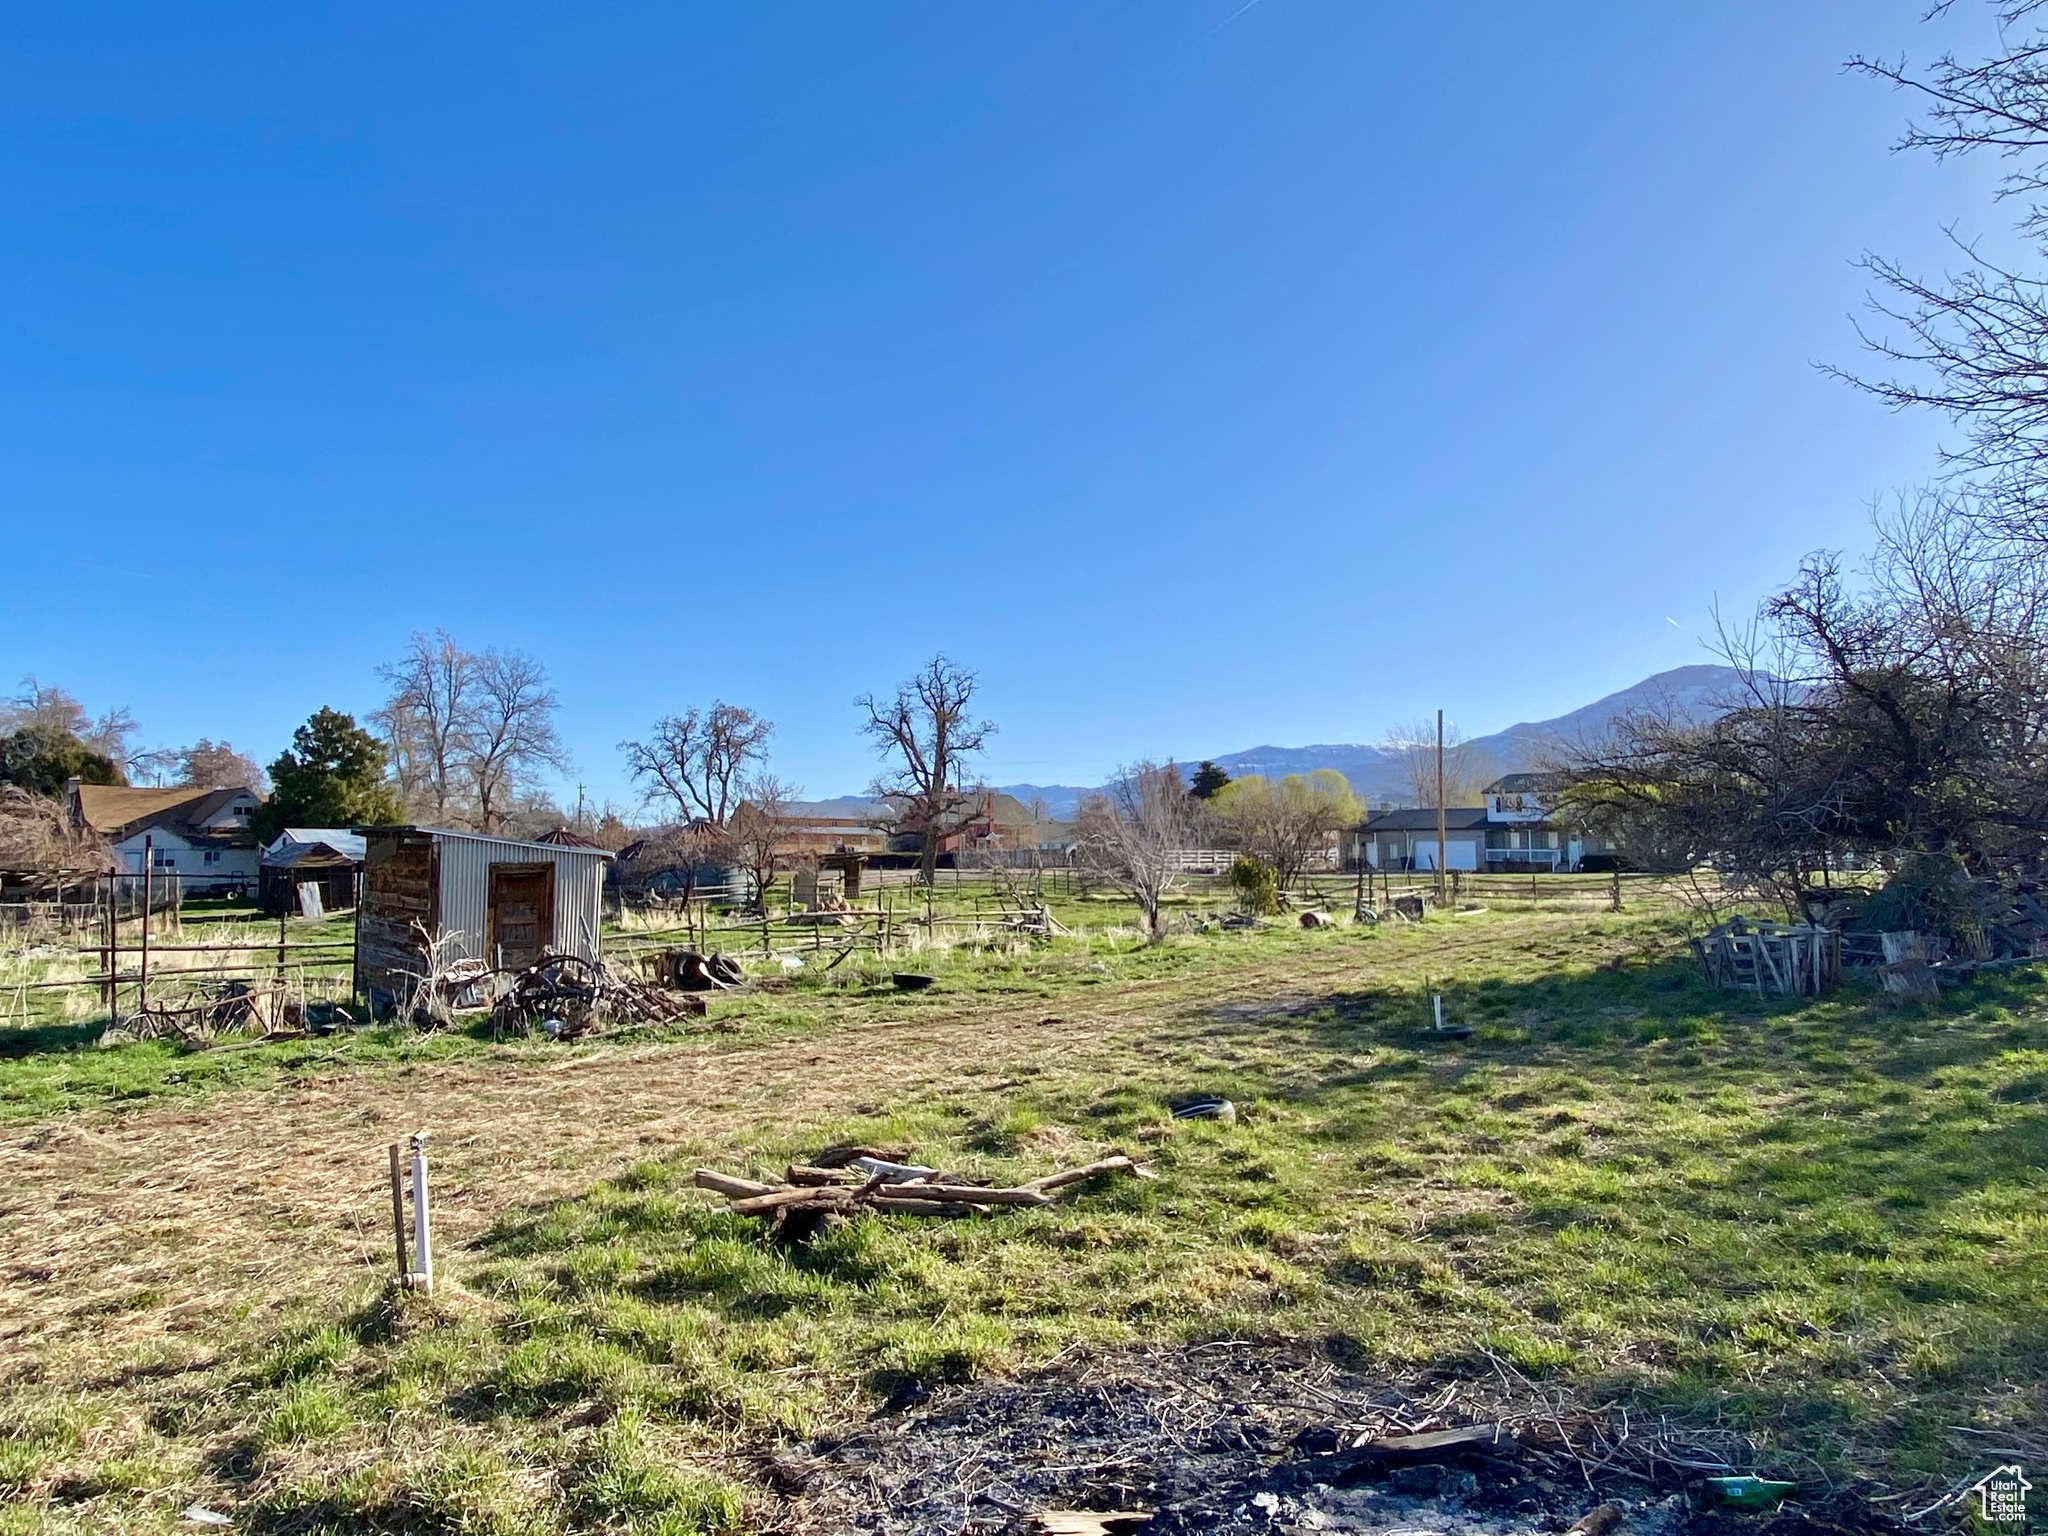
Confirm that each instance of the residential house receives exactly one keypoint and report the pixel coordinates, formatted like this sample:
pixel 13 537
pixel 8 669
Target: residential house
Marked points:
pixel 835 826
pixel 200 835
pixel 1511 833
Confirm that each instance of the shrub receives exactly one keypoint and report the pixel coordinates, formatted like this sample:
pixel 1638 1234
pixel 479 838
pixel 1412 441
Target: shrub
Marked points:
pixel 1257 887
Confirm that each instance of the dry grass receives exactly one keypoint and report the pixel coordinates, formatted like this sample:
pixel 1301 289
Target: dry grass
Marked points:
pixel 245 1199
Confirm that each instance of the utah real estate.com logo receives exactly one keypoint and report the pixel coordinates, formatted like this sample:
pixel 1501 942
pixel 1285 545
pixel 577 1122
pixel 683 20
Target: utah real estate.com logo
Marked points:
pixel 2003 1495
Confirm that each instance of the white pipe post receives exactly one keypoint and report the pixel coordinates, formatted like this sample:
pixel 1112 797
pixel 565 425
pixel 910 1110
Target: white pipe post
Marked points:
pixel 422 1245
pixel 1438 999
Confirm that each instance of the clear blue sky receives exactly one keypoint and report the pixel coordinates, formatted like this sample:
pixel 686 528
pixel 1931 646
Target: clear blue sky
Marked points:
pixel 1204 377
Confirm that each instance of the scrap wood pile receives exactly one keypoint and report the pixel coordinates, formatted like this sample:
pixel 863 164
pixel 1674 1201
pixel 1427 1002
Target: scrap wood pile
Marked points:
pixel 200 1017
pixel 844 1181
pixel 564 996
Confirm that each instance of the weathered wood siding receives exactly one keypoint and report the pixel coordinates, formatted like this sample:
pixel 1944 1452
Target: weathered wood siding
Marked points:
pixel 401 895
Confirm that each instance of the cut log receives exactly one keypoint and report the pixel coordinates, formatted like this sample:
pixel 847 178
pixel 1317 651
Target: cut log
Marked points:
pixel 800 1173
pixel 1437 1444
pixel 970 1194
pixel 774 1200
pixel 1117 1164
pixel 726 1184
pixel 916 1207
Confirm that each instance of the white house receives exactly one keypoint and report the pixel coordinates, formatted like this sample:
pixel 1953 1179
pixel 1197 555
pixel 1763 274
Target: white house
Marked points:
pixel 1511 832
pixel 200 835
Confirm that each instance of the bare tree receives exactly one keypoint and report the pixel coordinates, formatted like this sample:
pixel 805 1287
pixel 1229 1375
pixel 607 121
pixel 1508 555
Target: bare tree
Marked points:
pixel 217 765
pixel 757 834
pixel 1285 823
pixel 1130 831
pixel 429 722
pixel 1971 343
pixel 1902 715
pixel 700 761
pixel 927 728
pixel 1467 768
pixel 46 707
pixel 512 732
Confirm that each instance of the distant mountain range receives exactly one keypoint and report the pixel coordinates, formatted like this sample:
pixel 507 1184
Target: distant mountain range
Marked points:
pixel 1698 692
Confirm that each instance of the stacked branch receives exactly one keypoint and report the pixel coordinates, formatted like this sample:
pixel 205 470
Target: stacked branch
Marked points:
pixel 845 1181
pixel 567 996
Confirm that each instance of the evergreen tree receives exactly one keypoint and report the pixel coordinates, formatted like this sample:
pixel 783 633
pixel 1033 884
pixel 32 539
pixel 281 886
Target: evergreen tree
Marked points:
pixel 40 758
pixel 1208 779
pixel 333 776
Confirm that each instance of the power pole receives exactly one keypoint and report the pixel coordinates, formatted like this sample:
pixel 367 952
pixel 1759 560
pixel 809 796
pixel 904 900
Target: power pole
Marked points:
pixel 1442 831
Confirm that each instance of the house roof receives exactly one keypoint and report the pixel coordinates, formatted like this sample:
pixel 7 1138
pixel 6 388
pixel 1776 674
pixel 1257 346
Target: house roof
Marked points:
pixel 118 812
pixel 1423 819
pixel 1522 784
pixel 839 813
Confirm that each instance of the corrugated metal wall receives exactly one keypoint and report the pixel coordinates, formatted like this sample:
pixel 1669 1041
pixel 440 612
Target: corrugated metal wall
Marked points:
pixel 466 883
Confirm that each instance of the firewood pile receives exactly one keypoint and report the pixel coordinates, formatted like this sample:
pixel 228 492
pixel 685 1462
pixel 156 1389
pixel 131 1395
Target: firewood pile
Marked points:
pixel 564 997
pixel 842 1182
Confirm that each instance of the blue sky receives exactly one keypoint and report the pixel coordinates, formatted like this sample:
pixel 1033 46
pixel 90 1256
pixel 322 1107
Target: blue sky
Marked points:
pixel 1204 376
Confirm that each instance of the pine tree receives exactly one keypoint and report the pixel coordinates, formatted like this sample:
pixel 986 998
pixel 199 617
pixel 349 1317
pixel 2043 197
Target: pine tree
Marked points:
pixel 333 776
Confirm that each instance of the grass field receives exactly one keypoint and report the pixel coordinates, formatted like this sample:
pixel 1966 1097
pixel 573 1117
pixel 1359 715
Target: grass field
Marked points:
pixel 1818 1222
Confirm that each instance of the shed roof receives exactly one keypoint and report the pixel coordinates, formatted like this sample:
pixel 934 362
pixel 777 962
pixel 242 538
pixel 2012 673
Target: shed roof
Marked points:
pixel 294 855
pixel 340 839
pixel 485 837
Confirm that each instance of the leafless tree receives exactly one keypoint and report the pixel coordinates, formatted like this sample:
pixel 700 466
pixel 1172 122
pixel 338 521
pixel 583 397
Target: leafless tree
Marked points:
pixel 927 728
pixel 1130 831
pixel 512 731
pixel 700 761
pixel 45 706
pixel 1900 714
pixel 1285 823
pixel 757 834
pixel 1467 768
pixel 217 765
pixel 1972 344
pixel 429 723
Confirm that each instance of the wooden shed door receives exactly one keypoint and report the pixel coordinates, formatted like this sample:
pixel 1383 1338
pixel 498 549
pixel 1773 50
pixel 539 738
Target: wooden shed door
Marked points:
pixel 522 913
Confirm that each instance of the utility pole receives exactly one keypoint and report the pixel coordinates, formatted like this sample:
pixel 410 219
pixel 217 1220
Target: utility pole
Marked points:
pixel 1442 831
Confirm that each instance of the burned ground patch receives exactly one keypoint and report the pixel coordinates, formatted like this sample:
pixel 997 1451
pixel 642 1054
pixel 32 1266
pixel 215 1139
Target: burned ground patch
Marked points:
pixel 1227 1437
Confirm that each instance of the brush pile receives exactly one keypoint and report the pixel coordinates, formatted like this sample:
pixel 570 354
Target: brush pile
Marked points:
pixel 211 1012
pixel 844 1181
pixel 564 997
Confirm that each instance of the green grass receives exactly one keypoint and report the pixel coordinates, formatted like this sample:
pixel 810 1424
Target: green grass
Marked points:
pixel 1818 1222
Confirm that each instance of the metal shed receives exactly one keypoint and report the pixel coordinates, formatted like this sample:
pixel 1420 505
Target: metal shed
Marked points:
pixel 494 899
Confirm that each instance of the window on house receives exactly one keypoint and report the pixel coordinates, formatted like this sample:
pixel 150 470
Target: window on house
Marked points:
pixel 244 810
pixel 213 856
pixel 166 860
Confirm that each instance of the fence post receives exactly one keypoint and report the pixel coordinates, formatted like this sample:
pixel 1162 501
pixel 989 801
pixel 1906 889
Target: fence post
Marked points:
pixel 398 1214
pixel 1614 896
pixel 148 860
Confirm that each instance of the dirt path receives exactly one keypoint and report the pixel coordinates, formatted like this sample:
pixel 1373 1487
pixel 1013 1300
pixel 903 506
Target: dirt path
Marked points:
pixel 117 1229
